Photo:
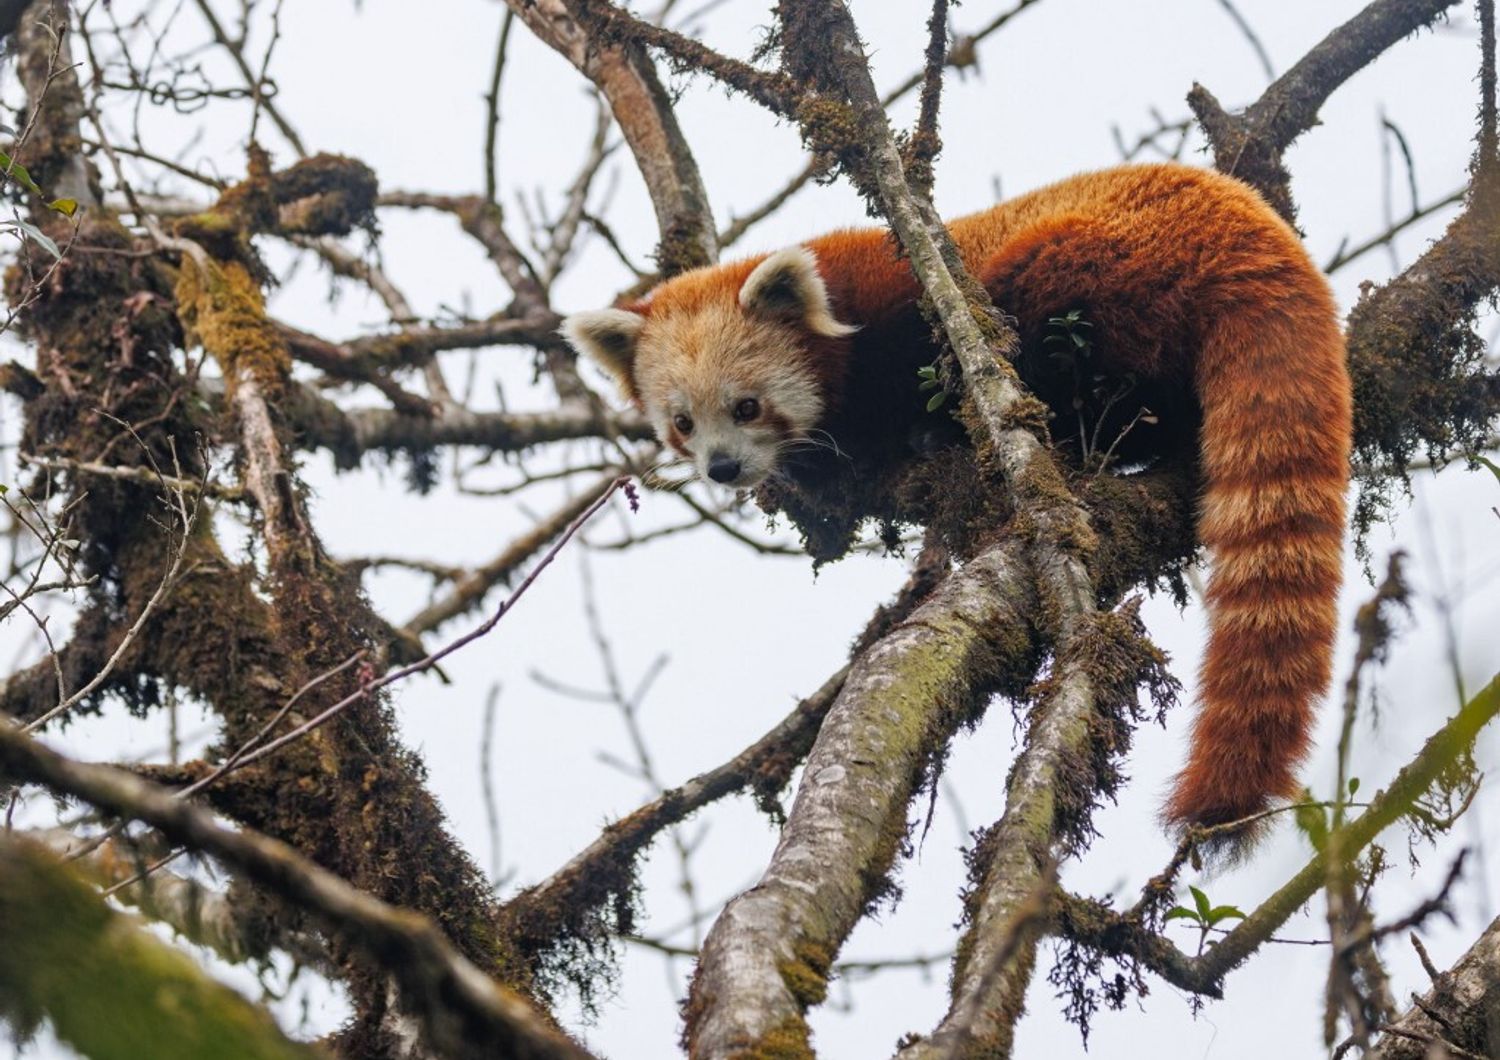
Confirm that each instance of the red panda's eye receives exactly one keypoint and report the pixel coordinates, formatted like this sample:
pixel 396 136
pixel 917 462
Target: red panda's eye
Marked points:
pixel 683 423
pixel 746 410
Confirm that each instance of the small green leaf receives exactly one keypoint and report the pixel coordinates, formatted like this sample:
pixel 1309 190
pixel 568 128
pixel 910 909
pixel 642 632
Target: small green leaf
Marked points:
pixel 1353 785
pixel 1079 340
pixel 1224 912
pixel 936 401
pixel 1201 901
pixel 929 384
pixel 41 237
pixel 1180 912
pixel 4 489
pixel 18 172
pixel 66 207
pixel 1487 462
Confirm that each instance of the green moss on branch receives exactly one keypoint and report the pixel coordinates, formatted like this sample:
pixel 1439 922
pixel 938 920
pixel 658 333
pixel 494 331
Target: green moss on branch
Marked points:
pixel 109 989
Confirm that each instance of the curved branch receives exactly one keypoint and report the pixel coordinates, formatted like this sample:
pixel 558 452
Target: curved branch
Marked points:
pixel 1249 144
pixel 1128 936
pixel 1441 749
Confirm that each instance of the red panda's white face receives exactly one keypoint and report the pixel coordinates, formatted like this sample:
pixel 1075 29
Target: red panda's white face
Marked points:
pixel 726 383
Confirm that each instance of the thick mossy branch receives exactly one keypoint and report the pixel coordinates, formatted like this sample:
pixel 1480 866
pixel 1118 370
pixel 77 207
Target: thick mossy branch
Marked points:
pixel 1070 761
pixel 54 146
pixel 108 988
pixel 108 344
pixel 325 195
pixel 460 1009
pixel 222 307
pixel 900 705
pixel 820 46
pixel 1423 383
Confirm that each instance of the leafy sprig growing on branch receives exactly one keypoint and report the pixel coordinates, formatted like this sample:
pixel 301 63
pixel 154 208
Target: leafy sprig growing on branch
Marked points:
pixel 1204 914
pixel 932 381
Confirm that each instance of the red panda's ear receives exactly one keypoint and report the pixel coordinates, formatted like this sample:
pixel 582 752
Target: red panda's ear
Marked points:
pixel 609 337
pixel 787 286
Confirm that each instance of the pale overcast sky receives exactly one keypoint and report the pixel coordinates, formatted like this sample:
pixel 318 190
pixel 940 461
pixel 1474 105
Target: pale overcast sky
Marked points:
pixel 746 634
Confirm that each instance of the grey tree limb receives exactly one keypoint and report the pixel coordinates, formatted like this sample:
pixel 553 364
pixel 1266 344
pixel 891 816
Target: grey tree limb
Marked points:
pixel 1460 1012
pixel 1003 422
pixel 767 957
pixel 626 76
pixel 1249 144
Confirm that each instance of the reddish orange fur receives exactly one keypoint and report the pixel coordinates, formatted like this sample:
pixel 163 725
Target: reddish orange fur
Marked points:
pixel 1191 283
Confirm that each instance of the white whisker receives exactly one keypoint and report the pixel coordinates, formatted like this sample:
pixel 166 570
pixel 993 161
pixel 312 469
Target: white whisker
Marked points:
pixel 811 441
pixel 654 477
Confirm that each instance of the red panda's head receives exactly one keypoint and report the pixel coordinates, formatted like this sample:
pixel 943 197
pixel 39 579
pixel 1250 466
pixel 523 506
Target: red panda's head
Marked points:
pixel 718 360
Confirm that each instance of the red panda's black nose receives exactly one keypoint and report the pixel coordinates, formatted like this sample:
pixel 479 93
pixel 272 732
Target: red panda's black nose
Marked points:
pixel 723 468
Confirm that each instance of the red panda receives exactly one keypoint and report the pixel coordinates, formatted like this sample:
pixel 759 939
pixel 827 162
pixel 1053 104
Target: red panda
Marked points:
pixel 1185 292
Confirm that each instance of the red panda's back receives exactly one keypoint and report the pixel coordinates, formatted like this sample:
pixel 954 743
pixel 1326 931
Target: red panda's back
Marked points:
pixel 1187 275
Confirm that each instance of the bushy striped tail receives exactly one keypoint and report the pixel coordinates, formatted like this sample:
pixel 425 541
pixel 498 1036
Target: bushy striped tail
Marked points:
pixel 1274 388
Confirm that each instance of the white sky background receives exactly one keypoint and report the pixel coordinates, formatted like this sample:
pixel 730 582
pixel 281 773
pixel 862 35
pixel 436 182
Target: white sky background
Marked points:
pixel 747 634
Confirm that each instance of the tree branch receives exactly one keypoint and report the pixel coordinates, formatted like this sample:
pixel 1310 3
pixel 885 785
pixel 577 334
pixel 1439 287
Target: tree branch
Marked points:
pixel 123 992
pixel 1460 1012
pixel 1249 144
pixel 460 1009
pixel 1004 423
pixel 644 112
pixel 767 957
